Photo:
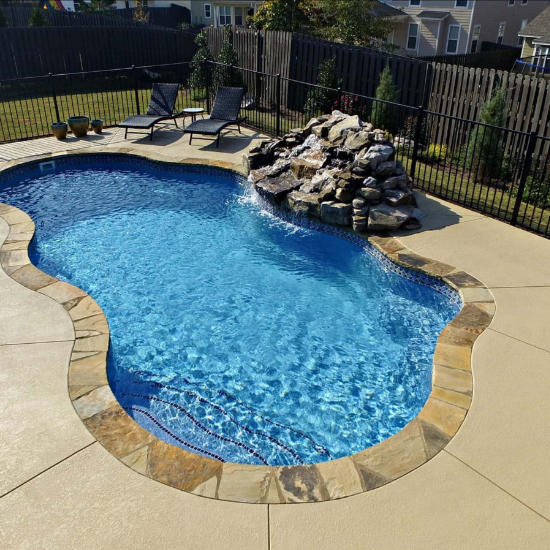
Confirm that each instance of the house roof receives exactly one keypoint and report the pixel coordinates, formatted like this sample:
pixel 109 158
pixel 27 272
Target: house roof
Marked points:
pixel 384 11
pixel 538 28
pixel 429 14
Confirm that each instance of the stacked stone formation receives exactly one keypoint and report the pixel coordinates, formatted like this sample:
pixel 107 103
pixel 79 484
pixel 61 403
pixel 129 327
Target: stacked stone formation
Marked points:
pixel 337 169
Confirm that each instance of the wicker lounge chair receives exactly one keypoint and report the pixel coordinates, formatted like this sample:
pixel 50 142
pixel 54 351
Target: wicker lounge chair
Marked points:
pixel 161 107
pixel 225 112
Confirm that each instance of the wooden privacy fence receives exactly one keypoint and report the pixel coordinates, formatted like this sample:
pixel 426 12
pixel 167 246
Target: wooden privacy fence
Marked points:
pixel 297 57
pixel 41 50
pixel 462 91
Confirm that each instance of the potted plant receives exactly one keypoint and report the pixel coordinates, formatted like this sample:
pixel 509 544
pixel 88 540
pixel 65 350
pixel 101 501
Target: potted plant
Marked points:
pixel 79 125
pixel 97 125
pixel 59 130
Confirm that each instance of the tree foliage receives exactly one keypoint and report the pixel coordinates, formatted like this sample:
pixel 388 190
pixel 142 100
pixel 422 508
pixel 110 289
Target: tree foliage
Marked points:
pixel 382 113
pixel 95 5
pixel 319 100
pixel 348 21
pixel 485 154
pixel 37 19
pixel 227 74
pixel 199 77
pixel 281 15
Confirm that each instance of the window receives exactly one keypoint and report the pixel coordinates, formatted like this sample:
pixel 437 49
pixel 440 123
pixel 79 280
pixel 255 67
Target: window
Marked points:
pixel 415 2
pixel 523 2
pixel 511 2
pixel 207 11
pixel 452 38
pixel 520 38
pixel 461 3
pixel 225 15
pixel 239 19
pixel 500 33
pixel 475 38
pixel 412 38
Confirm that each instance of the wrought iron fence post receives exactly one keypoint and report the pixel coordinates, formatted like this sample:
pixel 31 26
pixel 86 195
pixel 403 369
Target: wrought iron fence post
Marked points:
pixel 54 96
pixel 417 134
pixel 340 98
pixel 278 98
pixel 208 75
pixel 525 169
pixel 136 93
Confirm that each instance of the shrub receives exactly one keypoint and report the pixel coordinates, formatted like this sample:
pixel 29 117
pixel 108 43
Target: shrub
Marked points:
pixel 382 113
pixel 227 74
pixel 485 153
pixel 436 152
pixel 321 101
pixel 37 18
pixel 198 80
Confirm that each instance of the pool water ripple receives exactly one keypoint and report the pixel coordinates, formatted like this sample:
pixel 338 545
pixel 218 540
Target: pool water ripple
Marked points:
pixel 234 333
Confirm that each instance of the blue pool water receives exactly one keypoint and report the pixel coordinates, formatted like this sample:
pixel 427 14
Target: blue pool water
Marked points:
pixel 233 333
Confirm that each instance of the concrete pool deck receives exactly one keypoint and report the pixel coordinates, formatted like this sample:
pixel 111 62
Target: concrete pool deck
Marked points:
pixel 489 488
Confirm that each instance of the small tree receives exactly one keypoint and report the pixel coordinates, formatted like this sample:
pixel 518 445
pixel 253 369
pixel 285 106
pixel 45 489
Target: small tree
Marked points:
pixel 382 113
pixel 199 77
pixel 319 100
pixel 37 18
pixel 226 74
pixel 3 22
pixel 141 15
pixel 485 154
pixel 280 15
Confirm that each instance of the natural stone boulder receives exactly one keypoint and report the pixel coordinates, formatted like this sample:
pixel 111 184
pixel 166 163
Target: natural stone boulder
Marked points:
pixel 378 153
pixel 387 218
pixel 385 169
pixel 370 194
pixel 396 197
pixel 344 195
pixel 275 189
pixel 304 203
pixel 357 140
pixel 396 182
pixel 337 213
pixel 338 169
pixel 336 133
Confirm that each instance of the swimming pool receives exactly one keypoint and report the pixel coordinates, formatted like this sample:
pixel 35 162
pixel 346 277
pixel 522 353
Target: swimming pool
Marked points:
pixel 233 333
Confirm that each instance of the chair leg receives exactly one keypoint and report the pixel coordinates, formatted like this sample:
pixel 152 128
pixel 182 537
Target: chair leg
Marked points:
pixel 175 122
pixel 239 127
pixel 190 137
pixel 125 133
pixel 151 134
pixel 218 140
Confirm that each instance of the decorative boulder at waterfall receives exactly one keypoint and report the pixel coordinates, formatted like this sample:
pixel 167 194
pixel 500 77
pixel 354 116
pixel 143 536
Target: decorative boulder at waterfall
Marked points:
pixel 338 169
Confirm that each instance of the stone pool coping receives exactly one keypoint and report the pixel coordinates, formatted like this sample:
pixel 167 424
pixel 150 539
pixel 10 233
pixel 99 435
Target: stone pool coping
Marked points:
pixel 405 451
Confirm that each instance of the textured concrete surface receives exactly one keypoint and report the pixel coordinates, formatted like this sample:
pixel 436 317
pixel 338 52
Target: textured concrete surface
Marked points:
pixel 489 489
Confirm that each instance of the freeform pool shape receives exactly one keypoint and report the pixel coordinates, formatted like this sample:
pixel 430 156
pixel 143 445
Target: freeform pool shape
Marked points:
pixel 234 334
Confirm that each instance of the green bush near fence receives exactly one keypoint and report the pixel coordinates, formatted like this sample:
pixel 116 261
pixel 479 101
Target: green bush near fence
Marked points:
pixel 485 154
pixel 320 101
pixel 200 75
pixel 382 113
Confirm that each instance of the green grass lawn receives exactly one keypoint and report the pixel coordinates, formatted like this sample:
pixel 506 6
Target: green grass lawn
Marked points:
pixel 456 187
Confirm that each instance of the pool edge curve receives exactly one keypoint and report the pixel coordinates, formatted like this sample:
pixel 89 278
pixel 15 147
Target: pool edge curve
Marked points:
pixel 418 442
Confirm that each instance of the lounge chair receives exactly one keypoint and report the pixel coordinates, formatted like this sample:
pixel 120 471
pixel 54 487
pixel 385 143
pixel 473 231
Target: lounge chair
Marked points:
pixel 225 112
pixel 161 107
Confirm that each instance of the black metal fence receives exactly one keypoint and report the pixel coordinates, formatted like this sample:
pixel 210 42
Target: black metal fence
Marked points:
pixel 501 172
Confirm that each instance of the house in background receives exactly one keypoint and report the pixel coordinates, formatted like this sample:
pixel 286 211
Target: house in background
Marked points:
pixel 213 13
pixel 444 27
pixel 536 41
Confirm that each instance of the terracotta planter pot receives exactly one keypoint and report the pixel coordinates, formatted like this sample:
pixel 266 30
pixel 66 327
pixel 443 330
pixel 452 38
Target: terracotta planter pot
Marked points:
pixel 97 125
pixel 59 130
pixel 79 125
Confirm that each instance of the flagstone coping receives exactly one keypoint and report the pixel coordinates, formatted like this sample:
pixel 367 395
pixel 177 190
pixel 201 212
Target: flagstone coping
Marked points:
pixel 419 441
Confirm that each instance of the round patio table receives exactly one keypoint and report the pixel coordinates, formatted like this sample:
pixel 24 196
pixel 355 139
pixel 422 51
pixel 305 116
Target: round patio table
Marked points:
pixel 193 112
